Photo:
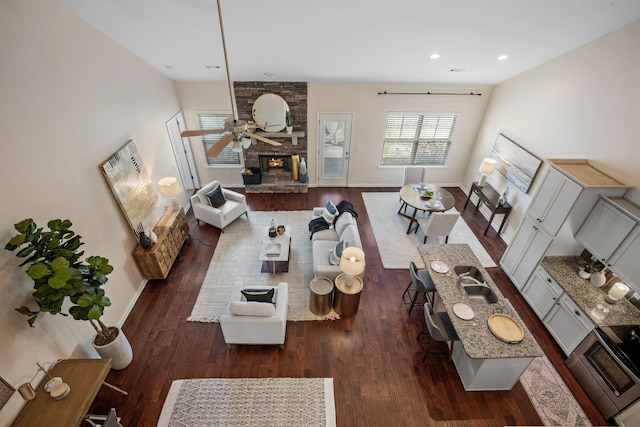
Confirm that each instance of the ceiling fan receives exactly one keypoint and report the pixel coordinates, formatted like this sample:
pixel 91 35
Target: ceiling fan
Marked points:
pixel 234 129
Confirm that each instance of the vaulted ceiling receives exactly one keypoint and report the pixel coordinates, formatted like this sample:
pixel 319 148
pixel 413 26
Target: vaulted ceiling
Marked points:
pixel 363 41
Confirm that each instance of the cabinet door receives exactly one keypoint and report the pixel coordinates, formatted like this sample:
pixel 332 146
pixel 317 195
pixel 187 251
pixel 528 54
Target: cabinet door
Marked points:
pixel 541 292
pixel 568 324
pixel 604 230
pixel 525 251
pixel 625 262
pixel 553 201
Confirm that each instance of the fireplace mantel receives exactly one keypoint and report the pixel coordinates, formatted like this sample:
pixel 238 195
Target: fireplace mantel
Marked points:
pixel 293 135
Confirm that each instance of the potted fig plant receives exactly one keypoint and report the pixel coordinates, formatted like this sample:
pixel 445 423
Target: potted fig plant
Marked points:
pixel 288 120
pixel 58 274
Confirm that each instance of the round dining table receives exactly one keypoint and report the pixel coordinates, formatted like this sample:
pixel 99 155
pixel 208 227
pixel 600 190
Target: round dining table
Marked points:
pixel 411 196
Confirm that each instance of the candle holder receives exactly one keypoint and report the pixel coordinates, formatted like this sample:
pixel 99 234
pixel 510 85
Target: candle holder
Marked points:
pixel 616 293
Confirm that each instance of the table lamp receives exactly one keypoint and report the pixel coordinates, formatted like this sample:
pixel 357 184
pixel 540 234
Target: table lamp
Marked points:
pixel 617 292
pixel 351 264
pixel 170 189
pixel 486 168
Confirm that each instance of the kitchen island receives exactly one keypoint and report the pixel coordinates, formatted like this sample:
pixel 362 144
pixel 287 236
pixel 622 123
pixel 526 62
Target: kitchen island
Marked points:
pixel 483 361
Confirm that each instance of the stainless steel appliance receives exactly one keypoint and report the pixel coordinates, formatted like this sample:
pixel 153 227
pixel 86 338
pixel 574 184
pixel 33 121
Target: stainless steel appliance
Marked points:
pixel 607 365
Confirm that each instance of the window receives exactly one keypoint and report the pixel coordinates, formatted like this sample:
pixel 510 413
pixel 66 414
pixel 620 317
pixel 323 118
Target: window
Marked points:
pixel 417 139
pixel 216 121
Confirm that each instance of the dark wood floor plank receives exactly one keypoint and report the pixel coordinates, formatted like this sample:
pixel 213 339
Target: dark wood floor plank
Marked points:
pixel 374 357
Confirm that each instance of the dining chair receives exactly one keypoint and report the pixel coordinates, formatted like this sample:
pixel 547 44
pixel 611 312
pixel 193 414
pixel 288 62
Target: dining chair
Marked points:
pixel 411 176
pixel 438 224
pixel 421 283
pixel 439 328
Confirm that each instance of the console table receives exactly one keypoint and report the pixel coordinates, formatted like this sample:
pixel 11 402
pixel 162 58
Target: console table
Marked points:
pixel 490 198
pixel 84 377
pixel 156 262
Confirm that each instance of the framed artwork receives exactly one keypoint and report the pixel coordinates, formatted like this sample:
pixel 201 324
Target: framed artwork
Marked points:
pixel 514 162
pixel 6 391
pixel 126 175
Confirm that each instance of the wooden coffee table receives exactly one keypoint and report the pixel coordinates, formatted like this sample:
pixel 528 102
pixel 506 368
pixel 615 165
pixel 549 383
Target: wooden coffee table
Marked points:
pixel 276 263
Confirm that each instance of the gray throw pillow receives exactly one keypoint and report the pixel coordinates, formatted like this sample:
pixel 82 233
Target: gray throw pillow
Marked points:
pixel 216 197
pixel 336 253
pixel 258 295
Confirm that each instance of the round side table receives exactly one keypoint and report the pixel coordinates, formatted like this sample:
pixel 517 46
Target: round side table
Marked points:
pixel 347 295
pixel 321 293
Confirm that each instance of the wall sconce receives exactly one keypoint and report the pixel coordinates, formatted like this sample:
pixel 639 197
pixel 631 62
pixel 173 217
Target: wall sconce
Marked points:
pixel 170 189
pixel 352 264
pixel 617 292
pixel 486 168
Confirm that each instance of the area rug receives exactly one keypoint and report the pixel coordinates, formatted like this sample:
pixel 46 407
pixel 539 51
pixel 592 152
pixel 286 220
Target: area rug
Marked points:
pixel 244 402
pixel 236 259
pixel 550 396
pixel 398 248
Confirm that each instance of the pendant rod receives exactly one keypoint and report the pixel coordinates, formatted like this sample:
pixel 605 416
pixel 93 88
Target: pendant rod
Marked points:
pixel 429 93
pixel 226 63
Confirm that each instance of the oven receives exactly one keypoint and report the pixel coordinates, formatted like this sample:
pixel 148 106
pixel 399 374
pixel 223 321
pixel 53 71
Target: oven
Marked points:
pixel 607 365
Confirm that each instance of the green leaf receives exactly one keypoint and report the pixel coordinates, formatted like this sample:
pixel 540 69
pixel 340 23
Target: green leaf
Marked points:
pixel 37 271
pixel 17 240
pixel 95 313
pixel 85 301
pixel 26 251
pixel 25 225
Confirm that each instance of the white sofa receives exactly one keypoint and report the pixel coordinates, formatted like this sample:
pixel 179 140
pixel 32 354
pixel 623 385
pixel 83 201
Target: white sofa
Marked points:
pixel 256 322
pixel 234 207
pixel 344 228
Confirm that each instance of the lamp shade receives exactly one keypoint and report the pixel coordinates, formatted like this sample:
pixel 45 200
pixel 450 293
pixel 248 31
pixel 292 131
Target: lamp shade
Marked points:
pixel 488 165
pixel 169 187
pixel 618 291
pixel 352 261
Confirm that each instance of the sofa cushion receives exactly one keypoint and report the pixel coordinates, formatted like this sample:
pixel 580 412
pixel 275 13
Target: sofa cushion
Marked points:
pixel 258 295
pixel 252 308
pixel 342 221
pixel 351 237
pixel 216 197
pixel 336 253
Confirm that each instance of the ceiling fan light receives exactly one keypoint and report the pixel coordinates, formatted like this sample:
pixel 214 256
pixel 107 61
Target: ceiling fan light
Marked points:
pixel 236 147
pixel 246 143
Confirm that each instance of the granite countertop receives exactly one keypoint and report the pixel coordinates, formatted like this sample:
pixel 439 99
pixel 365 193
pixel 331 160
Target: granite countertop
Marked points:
pixel 564 269
pixel 478 341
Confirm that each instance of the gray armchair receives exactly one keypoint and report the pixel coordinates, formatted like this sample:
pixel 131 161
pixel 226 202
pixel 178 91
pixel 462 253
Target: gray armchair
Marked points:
pixel 234 206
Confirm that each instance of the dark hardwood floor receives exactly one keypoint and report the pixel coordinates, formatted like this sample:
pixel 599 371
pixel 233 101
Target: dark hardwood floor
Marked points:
pixel 374 357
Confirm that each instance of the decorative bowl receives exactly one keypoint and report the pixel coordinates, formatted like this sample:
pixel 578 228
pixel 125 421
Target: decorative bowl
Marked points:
pixel 281 229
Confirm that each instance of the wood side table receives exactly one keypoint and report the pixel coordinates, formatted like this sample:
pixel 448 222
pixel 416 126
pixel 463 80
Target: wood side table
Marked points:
pixel 84 377
pixel 346 299
pixel 490 197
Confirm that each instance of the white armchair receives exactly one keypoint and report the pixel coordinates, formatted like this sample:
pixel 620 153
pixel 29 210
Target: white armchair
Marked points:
pixel 256 322
pixel 233 208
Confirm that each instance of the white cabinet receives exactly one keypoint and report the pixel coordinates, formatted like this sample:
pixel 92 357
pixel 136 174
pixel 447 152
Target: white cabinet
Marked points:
pixel 567 323
pixel 625 262
pixel 604 230
pixel 553 201
pixel 541 292
pixel 525 251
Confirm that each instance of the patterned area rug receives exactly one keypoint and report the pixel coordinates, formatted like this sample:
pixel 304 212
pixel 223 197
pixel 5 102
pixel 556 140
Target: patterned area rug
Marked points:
pixel 553 401
pixel 236 259
pixel 398 248
pixel 250 402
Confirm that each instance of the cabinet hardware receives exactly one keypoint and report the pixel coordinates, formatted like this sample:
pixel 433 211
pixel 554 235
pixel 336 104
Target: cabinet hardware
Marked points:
pixel 577 313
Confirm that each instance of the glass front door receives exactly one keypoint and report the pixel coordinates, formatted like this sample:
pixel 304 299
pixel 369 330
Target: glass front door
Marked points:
pixel 333 156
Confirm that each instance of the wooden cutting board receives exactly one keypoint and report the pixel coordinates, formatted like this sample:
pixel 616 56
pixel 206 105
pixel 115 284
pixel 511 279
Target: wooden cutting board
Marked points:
pixel 505 328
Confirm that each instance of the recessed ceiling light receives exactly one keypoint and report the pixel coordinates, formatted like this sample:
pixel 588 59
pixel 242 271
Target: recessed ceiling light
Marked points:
pixel 268 74
pixel 215 67
pixel 503 57
pixel 169 67
pixel 457 70
pixel 434 56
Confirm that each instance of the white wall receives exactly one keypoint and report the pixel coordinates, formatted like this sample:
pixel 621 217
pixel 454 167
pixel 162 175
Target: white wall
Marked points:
pixel 370 111
pixel 70 98
pixel 584 104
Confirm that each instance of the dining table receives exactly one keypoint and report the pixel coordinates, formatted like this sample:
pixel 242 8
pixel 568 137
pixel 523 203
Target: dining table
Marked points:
pixel 412 196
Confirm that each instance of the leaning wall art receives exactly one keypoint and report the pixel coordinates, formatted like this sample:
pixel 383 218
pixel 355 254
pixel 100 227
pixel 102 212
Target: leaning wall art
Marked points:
pixel 514 162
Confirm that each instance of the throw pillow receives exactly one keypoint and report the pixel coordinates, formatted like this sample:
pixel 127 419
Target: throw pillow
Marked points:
pixel 216 197
pixel 329 212
pixel 246 308
pixel 336 253
pixel 258 295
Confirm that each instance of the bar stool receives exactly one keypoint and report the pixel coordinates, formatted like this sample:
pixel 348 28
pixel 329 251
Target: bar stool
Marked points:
pixel 439 328
pixel 421 282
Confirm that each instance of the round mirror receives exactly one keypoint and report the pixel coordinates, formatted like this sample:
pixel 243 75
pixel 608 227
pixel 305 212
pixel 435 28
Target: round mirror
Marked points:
pixel 269 112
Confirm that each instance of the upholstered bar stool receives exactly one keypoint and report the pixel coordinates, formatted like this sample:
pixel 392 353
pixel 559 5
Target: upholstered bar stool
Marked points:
pixel 421 283
pixel 439 328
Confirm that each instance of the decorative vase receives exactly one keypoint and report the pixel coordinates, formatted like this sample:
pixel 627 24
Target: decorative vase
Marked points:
pixel 145 241
pixel 153 236
pixel 289 129
pixel 584 274
pixel 302 176
pixel 598 279
pixel 118 350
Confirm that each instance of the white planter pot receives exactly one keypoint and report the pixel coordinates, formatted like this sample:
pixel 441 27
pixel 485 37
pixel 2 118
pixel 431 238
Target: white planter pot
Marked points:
pixel 119 351
pixel 289 129
pixel 584 274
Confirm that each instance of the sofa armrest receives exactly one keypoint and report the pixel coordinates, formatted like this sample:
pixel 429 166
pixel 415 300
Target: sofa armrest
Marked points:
pixel 232 195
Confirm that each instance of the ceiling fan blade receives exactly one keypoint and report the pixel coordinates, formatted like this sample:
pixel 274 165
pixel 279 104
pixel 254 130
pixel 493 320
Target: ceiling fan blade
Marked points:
pixel 217 148
pixel 201 132
pixel 263 139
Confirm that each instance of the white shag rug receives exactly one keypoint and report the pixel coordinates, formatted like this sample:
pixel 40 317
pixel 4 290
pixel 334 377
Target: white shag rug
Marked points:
pixel 236 259
pixel 398 248
pixel 249 402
